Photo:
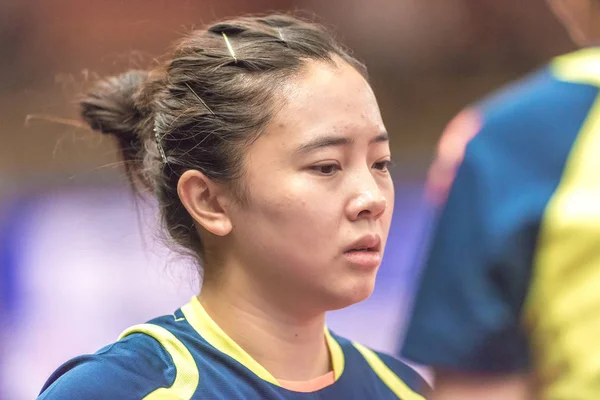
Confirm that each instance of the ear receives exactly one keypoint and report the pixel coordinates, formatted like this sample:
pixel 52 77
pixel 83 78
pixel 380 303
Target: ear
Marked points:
pixel 206 201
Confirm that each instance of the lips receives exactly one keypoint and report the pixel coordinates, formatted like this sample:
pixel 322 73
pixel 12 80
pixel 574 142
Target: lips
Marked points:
pixel 367 243
pixel 364 253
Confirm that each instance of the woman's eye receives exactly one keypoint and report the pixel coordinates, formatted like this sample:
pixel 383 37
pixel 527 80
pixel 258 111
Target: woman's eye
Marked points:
pixel 383 165
pixel 328 169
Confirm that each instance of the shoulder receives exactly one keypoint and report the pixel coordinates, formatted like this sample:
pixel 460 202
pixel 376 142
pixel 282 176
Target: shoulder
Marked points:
pixel 132 367
pixel 528 123
pixel 386 365
pixel 397 375
pixel 407 373
pixel 542 87
pixel 537 108
pixel 528 127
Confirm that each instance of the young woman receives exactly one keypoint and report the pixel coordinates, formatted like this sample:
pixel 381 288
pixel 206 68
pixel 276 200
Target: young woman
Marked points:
pixel 264 145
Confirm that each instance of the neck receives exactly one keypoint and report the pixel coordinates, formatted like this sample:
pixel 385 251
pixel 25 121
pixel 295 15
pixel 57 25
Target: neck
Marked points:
pixel 288 345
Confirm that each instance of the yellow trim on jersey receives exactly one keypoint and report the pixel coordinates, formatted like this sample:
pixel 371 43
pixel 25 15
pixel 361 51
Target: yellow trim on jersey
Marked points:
pixel 391 380
pixel 562 306
pixel 187 376
pixel 582 66
pixel 337 354
pixel 202 323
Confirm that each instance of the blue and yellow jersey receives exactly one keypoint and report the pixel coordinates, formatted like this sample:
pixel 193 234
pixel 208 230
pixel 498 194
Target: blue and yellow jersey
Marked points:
pixel 512 277
pixel 187 356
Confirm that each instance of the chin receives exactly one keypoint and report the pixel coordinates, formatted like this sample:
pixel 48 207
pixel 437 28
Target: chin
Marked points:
pixel 350 294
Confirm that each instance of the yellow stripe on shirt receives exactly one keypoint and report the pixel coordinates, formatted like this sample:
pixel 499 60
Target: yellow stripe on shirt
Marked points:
pixel 391 380
pixel 206 327
pixel 202 323
pixel 563 306
pixel 187 376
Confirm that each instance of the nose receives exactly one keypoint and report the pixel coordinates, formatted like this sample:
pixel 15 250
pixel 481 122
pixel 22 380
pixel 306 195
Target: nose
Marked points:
pixel 368 202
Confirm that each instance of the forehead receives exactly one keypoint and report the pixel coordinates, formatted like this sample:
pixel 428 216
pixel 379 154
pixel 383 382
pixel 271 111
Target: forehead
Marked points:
pixel 326 97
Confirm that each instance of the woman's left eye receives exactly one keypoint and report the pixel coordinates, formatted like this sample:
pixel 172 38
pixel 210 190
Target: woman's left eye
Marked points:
pixel 383 165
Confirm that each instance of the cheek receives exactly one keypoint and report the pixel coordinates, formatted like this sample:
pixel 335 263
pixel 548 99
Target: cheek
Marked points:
pixel 291 233
pixel 389 210
pixel 292 210
pixel 391 198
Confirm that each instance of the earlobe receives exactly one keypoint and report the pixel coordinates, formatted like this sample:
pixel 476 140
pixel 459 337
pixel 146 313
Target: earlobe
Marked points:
pixel 203 200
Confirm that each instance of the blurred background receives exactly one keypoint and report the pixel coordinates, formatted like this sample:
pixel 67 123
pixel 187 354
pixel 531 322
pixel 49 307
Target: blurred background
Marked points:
pixel 80 260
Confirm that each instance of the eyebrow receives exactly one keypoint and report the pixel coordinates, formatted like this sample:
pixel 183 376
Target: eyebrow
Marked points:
pixel 334 141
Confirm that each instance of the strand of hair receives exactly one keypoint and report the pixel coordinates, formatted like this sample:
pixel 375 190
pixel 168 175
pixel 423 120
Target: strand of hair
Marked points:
pixel 52 118
pixel 200 99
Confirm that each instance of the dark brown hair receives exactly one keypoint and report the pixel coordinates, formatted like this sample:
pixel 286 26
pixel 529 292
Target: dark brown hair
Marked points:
pixel 215 94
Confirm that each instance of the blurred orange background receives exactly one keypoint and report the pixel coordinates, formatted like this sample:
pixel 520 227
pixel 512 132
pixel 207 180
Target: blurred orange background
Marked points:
pixel 427 59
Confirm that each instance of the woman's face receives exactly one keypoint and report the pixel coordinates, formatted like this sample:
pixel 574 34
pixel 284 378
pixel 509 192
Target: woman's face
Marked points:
pixel 320 196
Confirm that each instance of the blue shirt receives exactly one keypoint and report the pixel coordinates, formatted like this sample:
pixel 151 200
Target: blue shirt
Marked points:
pixel 187 356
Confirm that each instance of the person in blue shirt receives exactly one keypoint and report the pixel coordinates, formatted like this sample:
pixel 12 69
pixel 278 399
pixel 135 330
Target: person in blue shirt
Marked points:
pixel 263 144
pixel 509 303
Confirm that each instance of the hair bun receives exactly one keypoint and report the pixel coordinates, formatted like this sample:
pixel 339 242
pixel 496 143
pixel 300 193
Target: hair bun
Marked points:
pixel 111 107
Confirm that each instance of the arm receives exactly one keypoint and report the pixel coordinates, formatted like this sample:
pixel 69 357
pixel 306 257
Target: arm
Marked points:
pixel 466 320
pixel 467 312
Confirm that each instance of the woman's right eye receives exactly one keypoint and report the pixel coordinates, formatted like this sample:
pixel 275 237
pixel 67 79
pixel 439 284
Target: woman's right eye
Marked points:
pixel 326 169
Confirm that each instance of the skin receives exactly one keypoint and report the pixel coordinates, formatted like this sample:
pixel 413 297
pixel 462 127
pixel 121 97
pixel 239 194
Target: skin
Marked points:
pixel 581 18
pixel 317 181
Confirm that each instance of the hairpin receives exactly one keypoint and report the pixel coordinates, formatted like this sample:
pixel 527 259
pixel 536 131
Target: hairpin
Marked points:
pixel 200 99
pixel 159 145
pixel 229 47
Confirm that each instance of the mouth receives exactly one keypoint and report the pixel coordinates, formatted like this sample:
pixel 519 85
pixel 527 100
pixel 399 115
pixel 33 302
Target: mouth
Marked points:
pixel 367 243
pixel 365 253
